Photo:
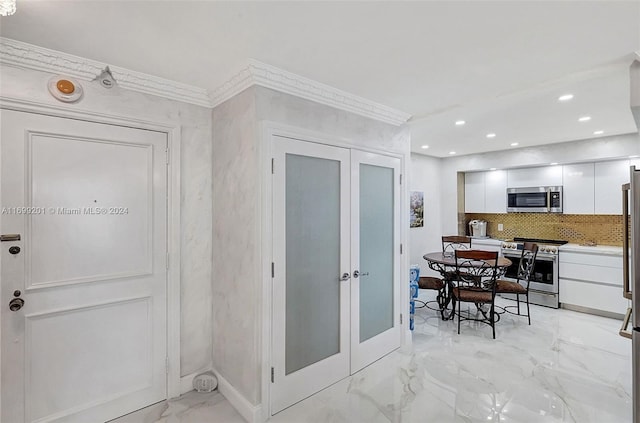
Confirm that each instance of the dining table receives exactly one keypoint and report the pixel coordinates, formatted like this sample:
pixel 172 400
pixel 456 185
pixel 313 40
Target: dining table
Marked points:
pixel 445 264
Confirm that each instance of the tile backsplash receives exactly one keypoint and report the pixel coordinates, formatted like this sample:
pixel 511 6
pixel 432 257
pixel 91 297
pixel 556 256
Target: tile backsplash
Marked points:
pixel 575 228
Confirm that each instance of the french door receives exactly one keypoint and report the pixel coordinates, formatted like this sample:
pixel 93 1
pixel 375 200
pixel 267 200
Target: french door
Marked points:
pixel 83 266
pixel 335 303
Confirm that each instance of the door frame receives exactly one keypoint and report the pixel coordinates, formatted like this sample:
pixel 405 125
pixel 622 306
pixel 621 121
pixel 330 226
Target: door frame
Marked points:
pixel 172 130
pixel 264 248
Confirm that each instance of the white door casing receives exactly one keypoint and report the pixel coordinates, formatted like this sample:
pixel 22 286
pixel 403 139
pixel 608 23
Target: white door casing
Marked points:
pixel 90 342
pixel 289 387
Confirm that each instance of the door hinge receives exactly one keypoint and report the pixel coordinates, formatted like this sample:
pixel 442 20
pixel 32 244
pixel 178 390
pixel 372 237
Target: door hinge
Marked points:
pixel 400 318
pixel 273 270
pixel 400 248
pixel 401 179
pixel 272 375
pixel 168 155
pixel 272 166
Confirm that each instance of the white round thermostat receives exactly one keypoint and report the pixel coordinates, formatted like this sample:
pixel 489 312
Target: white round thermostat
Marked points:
pixel 65 89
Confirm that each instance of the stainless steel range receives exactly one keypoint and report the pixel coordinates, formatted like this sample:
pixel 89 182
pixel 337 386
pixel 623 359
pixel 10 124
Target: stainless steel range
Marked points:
pixel 543 289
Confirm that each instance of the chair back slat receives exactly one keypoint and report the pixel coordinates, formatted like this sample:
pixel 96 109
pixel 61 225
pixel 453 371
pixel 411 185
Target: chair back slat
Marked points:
pixel 527 262
pixel 477 268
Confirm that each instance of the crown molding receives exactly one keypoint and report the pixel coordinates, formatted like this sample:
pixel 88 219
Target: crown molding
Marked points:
pixel 19 54
pixel 258 73
pixel 24 55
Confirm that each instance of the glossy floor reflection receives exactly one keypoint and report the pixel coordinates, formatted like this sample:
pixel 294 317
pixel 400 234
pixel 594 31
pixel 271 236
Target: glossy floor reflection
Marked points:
pixel 565 367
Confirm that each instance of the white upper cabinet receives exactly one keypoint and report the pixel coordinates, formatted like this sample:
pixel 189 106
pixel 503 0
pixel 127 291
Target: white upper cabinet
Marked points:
pixel 578 188
pixel 474 192
pixel 495 194
pixel 534 177
pixel 609 177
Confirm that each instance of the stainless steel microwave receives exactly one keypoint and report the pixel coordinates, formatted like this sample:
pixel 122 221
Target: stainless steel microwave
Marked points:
pixel 534 200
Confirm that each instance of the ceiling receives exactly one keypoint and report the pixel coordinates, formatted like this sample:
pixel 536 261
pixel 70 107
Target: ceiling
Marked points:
pixel 500 66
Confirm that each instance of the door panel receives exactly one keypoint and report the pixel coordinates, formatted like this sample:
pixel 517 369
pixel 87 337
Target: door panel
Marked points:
pixel 375 295
pixel 310 344
pixel 376 250
pixel 312 263
pixel 90 342
pixel 75 224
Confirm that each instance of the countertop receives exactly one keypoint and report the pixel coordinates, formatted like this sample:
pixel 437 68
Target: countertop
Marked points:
pixel 598 249
pixel 575 248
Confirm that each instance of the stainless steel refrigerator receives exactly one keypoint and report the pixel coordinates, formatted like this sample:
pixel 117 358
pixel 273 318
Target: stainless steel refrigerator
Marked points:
pixel 631 280
pixel 631 247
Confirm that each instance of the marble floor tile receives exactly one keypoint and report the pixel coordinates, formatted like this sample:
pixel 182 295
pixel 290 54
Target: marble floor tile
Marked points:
pixel 565 367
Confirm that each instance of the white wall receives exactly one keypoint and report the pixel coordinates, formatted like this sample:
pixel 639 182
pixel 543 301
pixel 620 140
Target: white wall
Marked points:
pixel 195 125
pixel 237 280
pixel 236 205
pixel 570 152
pixel 424 175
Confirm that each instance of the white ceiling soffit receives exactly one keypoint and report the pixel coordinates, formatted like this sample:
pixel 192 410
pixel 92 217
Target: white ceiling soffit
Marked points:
pixel 534 116
pixel 17 53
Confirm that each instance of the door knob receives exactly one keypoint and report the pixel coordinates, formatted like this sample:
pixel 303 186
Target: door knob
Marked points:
pixel 14 250
pixel 16 304
pixel 345 277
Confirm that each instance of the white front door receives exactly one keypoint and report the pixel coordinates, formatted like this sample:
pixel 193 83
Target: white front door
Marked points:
pixel 89 203
pixel 375 257
pixel 336 292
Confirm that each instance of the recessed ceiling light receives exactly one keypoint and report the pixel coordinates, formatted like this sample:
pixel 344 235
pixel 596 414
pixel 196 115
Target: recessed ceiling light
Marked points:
pixel 460 122
pixel 584 119
pixel 598 132
pixel 452 152
pixel 425 146
pixel 491 135
pixel 513 144
pixel 565 97
pixel 493 168
pixel 553 164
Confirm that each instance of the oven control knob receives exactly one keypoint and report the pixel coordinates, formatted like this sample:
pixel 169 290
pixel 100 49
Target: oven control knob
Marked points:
pixel 553 250
pixel 545 249
pixel 514 246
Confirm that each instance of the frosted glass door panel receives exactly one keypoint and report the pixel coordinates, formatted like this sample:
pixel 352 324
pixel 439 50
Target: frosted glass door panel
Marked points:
pixel 313 260
pixel 376 250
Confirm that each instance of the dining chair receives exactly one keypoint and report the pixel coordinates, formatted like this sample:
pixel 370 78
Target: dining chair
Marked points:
pixel 435 284
pixel 451 243
pixel 476 274
pixel 521 285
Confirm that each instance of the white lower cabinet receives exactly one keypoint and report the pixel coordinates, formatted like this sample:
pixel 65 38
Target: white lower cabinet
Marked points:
pixel 592 279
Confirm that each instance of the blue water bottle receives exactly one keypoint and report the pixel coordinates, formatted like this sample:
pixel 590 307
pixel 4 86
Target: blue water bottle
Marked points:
pixel 414 275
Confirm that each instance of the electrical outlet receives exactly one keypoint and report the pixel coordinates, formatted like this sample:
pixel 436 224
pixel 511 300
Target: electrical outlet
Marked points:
pixel 500 227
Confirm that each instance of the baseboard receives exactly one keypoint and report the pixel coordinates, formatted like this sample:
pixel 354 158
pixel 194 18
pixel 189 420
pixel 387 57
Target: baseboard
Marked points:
pixel 186 382
pixel 251 413
pixel 589 310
